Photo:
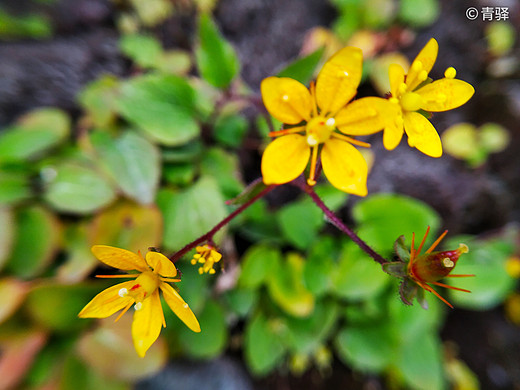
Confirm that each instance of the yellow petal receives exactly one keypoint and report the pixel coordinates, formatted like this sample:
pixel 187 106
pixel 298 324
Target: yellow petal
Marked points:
pixel 179 307
pixel 147 323
pixel 338 80
pixel 344 166
pixel 364 116
pixel 285 158
pixel 445 94
pixel 396 76
pixel 286 99
pixel 119 258
pixel 422 65
pixel 107 302
pixel 393 135
pixel 161 264
pixel 422 135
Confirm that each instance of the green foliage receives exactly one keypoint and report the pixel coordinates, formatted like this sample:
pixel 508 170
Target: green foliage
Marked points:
pixel 487 261
pixel 303 68
pixel 263 349
pixel 230 130
pixel 71 187
pixel 190 213
pixel 162 106
pixel 474 145
pixel 151 160
pixel 212 340
pixel 29 256
pixel 35 134
pixel 133 163
pixel 27 26
pixel 216 60
pixel 381 215
pixel 419 13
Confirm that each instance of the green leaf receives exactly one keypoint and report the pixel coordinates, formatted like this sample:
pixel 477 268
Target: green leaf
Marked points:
pixel 193 288
pixel 185 153
pixel 411 322
pixel 33 135
pixel 133 162
pixel 305 335
pixel 224 167
pixel 144 50
pixel 78 375
pixel 79 259
pixel 174 62
pixel 56 306
pixel 487 261
pixel 320 265
pixel 15 187
pixel 73 188
pixel 36 239
pixel 379 14
pixel 419 13
pixel 241 301
pixel 500 37
pixel 7 233
pixel 190 213
pixel 258 264
pixel 162 106
pixel 298 233
pixel 99 99
pixel 395 268
pixel 252 190
pixel 27 26
pixel 303 68
pixel 382 217
pixel 127 225
pixel 357 275
pixel 401 250
pixel 12 294
pixel 420 362
pixel 217 61
pixel 108 350
pixel 212 339
pixel 369 348
pixel 286 288
pixel 230 130
pixel 179 174
pixel 263 347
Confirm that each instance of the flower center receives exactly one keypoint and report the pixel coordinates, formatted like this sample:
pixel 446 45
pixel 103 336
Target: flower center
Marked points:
pixel 144 286
pixel 319 130
pixel 411 101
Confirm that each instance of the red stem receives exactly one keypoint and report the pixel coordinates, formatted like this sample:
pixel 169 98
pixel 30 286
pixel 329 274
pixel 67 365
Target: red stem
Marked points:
pixel 209 235
pixel 341 226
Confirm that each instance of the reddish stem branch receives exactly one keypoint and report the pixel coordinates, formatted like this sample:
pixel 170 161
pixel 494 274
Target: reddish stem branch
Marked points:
pixel 341 226
pixel 209 235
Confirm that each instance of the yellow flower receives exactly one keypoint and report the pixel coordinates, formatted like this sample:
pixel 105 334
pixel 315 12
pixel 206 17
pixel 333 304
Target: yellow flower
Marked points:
pixel 318 114
pixel 208 256
pixel 154 274
pixel 412 93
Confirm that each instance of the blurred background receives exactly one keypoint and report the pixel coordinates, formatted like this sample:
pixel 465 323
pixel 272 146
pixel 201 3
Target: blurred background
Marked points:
pixel 131 122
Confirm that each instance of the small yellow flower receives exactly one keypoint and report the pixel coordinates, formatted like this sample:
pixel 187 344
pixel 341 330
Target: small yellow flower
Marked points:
pixel 143 293
pixel 318 114
pixel 207 255
pixel 412 92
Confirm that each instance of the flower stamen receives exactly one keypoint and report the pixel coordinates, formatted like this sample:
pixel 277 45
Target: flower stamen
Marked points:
pixel 311 180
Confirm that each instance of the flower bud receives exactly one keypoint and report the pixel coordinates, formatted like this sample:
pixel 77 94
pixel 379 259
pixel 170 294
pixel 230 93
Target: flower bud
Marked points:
pixel 431 267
